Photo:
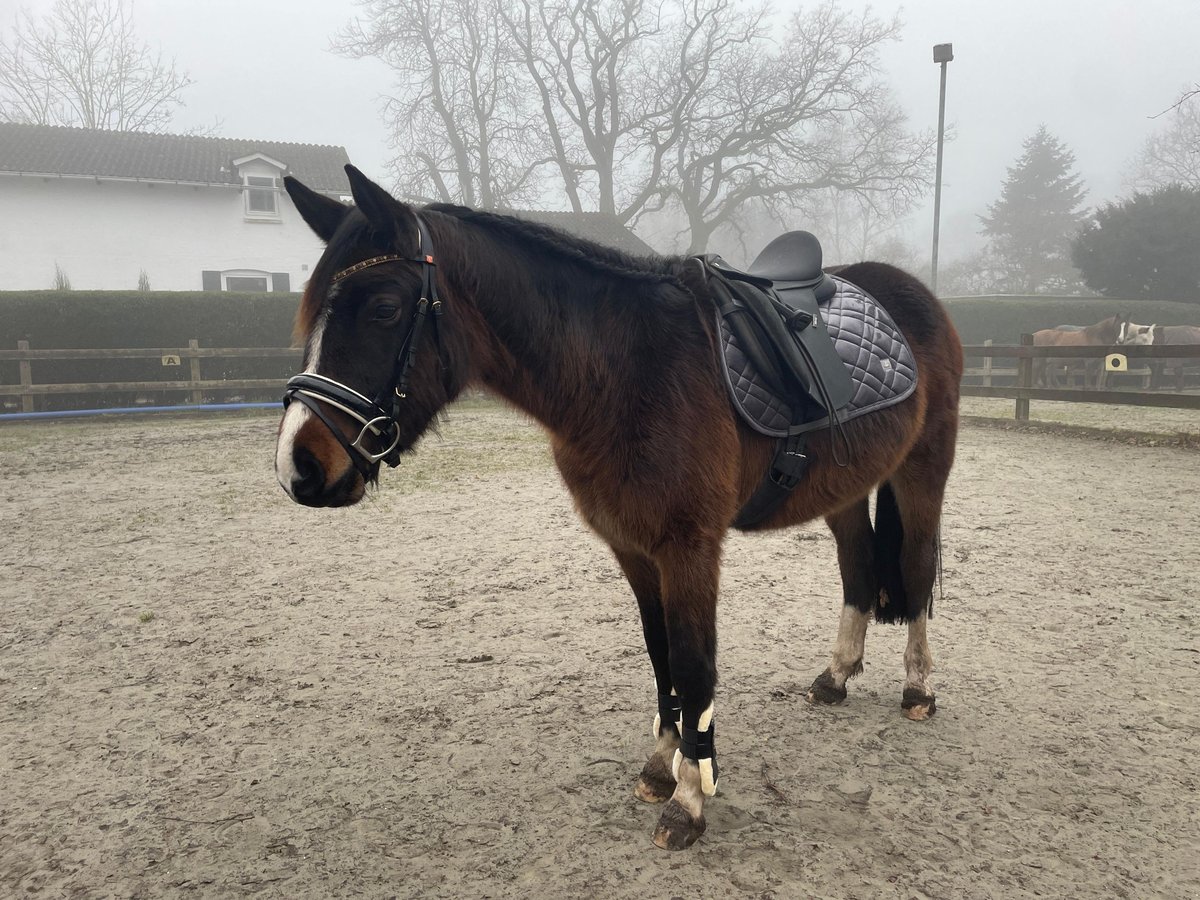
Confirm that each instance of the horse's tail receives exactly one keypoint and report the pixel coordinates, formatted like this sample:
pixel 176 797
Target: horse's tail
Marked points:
pixel 892 603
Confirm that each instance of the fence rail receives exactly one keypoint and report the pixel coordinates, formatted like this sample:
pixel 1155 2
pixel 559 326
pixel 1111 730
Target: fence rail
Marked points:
pixel 171 357
pixel 1022 390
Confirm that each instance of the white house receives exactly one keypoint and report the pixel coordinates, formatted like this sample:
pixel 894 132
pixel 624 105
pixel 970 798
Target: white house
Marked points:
pixel 192 213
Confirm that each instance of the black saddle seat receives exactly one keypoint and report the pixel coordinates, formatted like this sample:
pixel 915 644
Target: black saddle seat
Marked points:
pixel 794 260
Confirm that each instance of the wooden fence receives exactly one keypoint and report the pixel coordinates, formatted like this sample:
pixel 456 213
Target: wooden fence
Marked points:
pixel 1022 388
pixel 171 358
pixel 1019 379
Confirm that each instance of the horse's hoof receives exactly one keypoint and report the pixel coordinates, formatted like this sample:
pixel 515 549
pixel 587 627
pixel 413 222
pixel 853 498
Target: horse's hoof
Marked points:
pixel 677 828
pixel 653 791
pixel 656 783
pixel 917 706
pixel 824 690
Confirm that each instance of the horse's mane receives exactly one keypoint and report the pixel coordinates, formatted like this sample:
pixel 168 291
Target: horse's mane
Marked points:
pixel 650 270
pixel 597 257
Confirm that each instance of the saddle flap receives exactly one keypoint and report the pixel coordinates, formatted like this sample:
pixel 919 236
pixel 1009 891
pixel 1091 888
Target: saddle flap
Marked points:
pixel 818 349
pixel 871 348
pixel 783 335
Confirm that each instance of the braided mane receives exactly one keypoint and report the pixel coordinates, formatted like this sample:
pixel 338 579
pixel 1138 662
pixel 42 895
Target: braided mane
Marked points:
pixel 602 259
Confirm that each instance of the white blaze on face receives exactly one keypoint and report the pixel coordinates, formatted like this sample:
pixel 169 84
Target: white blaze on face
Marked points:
pixel 294 418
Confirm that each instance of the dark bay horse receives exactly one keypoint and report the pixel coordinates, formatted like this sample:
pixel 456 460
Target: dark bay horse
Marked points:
pixel 616 357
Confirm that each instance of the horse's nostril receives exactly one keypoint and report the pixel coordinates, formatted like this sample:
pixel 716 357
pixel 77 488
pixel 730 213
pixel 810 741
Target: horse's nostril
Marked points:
pixel 310 476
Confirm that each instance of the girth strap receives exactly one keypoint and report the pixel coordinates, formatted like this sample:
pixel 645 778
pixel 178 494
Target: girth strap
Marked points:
pixel 786 471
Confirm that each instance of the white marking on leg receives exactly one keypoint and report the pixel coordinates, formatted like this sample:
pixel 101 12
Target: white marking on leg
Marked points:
pixel 295 417
pixel 918 661
pixel 848 650
pixel 688 791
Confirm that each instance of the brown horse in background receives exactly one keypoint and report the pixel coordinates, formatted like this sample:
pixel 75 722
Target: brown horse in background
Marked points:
pixel 616 357
pixel 1104 333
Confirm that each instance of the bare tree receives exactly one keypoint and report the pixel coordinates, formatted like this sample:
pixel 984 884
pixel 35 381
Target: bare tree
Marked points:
pixel 631 106
pixel 854 227
pixel 83 65
pixel 1173 155
pixel 775 125
pixel 459 120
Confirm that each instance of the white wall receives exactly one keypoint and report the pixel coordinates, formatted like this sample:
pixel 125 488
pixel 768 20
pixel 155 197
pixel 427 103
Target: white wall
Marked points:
pixel 102 233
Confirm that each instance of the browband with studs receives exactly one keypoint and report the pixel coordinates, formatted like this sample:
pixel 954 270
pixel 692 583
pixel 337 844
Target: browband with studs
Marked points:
pixel 375 261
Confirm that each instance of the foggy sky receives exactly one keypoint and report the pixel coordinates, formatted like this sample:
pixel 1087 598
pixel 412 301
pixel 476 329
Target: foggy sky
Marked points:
pixel 1093 71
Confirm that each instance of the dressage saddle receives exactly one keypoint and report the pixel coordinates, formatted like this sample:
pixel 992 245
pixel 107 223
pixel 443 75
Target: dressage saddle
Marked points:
pixel 774 311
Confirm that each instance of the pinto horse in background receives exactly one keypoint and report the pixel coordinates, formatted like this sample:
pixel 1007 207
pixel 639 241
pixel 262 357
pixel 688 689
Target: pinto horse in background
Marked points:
pixel 1104 333
pixel 616 357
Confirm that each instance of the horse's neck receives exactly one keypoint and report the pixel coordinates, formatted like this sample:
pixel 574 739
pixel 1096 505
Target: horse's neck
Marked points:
pixel 551 356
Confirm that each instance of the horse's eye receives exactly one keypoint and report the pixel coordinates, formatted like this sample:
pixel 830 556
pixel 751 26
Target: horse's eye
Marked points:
pixel 385 311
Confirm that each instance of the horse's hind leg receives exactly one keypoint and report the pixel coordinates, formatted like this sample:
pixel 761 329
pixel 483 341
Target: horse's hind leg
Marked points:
pixel 851 529
pixel 656 783
pixel 918 488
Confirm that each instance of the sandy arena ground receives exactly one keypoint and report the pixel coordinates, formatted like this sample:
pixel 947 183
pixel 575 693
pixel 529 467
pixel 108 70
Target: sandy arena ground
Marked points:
pixel 207 691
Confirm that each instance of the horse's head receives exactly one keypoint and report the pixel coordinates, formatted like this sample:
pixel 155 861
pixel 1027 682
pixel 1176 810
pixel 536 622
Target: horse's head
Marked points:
pixel 377 365
pixel 1108 331
pixel 1129 333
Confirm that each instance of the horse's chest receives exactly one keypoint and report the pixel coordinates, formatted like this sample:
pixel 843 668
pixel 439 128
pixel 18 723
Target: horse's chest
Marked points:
pixel 604 496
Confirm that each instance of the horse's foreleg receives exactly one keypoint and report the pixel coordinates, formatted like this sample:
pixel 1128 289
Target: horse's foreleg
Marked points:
pixel 656 783
pixel 851 529
pixel 690 574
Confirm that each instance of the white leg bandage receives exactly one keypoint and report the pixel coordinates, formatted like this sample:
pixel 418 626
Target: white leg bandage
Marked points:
pixel 658 715
pixel 702 742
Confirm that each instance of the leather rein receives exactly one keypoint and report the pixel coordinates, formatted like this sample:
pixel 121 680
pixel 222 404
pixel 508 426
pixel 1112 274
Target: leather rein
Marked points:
pixel 379 417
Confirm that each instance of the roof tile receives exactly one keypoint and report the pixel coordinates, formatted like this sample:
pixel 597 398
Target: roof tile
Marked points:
pixel 58 150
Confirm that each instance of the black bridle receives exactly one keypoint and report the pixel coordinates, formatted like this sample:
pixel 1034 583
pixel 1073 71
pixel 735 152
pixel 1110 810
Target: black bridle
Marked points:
pixel 378 417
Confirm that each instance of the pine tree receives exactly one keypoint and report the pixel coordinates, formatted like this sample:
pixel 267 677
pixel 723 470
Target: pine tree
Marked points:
pixel 1036 218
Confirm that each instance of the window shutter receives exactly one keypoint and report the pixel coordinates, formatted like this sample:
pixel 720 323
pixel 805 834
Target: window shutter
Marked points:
pixel 281 281
pixel 210 281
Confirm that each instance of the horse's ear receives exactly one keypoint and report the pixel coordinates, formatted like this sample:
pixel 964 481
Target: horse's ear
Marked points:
pixel 323 214
pixel 388 216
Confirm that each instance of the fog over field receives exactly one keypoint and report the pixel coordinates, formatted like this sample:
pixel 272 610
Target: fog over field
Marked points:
pixel 1093 71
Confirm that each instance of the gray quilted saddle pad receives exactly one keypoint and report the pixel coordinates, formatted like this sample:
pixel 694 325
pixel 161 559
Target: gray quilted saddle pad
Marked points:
pixel 880 362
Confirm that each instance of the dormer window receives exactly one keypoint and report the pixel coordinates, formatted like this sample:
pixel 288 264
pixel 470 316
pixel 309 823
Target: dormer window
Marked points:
pixel 262 197
pixel 260 174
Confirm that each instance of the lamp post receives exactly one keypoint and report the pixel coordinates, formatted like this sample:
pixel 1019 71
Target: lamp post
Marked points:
pixel 942 54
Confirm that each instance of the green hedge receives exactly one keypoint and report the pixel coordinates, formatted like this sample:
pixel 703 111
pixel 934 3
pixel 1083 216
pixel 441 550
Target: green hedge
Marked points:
pixel 109 319
pixel 1004 318
pixel 112 319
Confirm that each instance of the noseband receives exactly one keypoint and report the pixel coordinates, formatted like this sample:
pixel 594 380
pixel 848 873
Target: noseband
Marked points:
pixel 378 417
